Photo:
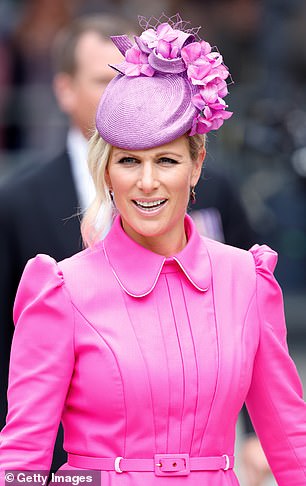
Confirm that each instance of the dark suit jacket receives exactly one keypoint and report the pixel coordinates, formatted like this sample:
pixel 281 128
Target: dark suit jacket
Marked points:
pixel 215 191
pixel 36 216
pixel 36 206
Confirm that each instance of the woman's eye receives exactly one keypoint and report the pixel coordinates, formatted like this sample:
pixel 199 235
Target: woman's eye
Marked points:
pixel 127 161
pixel 167 160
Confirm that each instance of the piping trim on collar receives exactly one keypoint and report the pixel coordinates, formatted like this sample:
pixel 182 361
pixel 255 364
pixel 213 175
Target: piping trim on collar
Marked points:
pixel 128 291
pixel 189 278
pixel 137 269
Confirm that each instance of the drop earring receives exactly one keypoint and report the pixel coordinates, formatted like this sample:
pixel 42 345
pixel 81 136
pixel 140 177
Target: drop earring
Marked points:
pixel 192 195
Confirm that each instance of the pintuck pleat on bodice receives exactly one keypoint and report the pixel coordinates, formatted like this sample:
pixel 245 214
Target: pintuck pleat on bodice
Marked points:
pixel 176 362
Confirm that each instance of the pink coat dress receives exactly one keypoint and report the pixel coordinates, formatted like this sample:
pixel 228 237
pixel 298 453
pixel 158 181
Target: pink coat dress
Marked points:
pixel 141 356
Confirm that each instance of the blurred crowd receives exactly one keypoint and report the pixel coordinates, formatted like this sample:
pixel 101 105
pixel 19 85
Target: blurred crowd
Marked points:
pixel 262 150
pixel 263 147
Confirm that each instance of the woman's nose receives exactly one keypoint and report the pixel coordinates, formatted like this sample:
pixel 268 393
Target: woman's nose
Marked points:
pixel 148 178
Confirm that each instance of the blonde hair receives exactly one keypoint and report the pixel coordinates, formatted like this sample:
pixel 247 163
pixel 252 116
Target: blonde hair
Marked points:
pixel 98 217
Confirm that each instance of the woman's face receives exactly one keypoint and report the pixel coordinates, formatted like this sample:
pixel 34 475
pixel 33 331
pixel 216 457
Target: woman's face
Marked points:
pixel 151 191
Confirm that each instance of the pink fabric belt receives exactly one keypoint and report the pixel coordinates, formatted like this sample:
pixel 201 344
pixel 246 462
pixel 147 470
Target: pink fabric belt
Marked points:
pixel 161 464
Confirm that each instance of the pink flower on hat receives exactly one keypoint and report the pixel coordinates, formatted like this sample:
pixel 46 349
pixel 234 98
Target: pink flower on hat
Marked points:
pixel 136 63
pixel 210 120
pixel 212 111
pixel 203 65
pixel 163 40
pixel 206 70
pixel 194 52
pixel 211 94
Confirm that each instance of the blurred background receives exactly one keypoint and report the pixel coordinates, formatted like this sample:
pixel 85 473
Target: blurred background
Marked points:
pixel 262 148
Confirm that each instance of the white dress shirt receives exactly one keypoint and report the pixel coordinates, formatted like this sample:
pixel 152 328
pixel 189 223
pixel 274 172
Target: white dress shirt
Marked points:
pixel 77 147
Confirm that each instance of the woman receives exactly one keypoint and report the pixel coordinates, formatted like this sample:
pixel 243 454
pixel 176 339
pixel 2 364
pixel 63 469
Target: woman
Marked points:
pixel 147 343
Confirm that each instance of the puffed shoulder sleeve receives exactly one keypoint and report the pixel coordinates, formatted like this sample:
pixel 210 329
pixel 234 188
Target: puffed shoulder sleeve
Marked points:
pixel 275 399
pixel 42 360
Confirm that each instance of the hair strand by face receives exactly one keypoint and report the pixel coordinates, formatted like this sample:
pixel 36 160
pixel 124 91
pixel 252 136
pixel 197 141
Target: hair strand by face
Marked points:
pixel 99 215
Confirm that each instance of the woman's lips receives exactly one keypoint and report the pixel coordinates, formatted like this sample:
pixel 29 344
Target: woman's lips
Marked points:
pixel 149 206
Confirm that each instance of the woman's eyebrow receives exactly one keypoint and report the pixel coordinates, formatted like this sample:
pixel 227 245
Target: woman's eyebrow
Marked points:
pixel 169 154
pixel 155 155
pixel 124 154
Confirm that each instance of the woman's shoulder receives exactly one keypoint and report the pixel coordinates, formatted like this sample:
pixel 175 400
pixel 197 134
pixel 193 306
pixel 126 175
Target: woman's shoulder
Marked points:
pixel 80 267
pixel 77 277
pixel 86 258
pixel 41 282
pixel 259 259
pixel 265 258
pixel 44 266
pixel 42 271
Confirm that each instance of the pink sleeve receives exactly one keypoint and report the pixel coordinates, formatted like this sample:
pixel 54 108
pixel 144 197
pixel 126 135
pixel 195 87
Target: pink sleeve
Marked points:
pixel 275 401
pixel 42 360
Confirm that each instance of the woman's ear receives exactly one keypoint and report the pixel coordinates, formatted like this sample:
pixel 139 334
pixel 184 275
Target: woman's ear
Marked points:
pixel 107 179
pixel 197 166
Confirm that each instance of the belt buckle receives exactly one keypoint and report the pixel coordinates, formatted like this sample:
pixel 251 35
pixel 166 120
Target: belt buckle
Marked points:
pixel 171 464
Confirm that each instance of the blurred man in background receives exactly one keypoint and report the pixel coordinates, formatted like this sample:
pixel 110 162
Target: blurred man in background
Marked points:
pixel 37 202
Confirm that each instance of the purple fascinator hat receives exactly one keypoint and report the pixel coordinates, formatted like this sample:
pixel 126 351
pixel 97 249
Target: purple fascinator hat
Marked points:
pixel 170 83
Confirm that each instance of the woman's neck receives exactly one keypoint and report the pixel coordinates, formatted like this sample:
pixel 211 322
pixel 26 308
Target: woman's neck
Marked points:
pixel 166 244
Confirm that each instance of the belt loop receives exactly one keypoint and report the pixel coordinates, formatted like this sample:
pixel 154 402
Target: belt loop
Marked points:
pixel 227 462
pixel 117 465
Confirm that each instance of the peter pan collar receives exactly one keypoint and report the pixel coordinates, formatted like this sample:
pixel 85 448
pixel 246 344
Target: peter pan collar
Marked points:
pixel 137 269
